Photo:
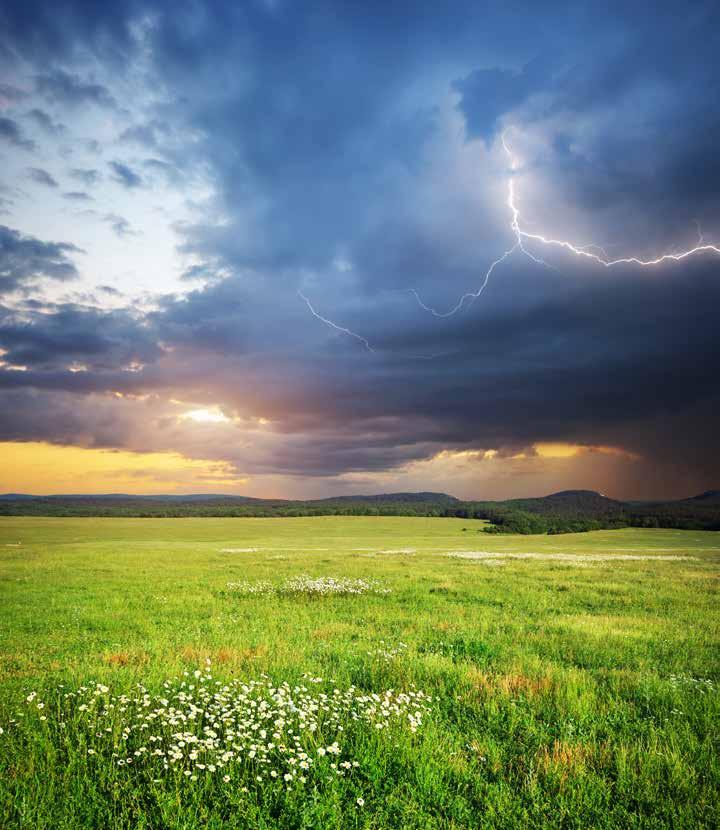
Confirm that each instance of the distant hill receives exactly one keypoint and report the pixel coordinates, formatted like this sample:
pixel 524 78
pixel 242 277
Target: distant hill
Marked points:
pixel 189 497
pixel 571 502
pixel 567 511
pixel 400 498
pixel 120 504
pixel 708 497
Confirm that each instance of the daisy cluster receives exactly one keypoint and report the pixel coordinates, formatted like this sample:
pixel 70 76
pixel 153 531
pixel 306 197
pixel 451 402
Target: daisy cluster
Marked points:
pixel 253 732
pixel 251 588
pixel 387 652
pixel 700 684
pixel 320 586
pixel 331 586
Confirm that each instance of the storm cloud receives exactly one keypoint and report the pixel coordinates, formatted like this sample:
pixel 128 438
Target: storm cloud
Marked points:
pixel 11 133
pixel 24 260
pixel 72 90
pixel 354 154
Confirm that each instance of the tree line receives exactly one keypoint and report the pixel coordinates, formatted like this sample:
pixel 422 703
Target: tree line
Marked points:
pixel 543 516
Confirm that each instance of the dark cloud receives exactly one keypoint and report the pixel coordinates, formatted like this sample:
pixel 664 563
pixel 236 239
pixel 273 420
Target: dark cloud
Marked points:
pixel 24 260
pixel 109 289
pixel 88 177
pixel 146 135
pixel 71 90
pixel 42 32
pixel 101 340
pixel 121 227
pixel 77 196
pixel 109 423
pixel 352 152
pixel 92 145
pixel 589 365
pixel 11 133
pixel 125 175
pixel 43 120
pixel 600 112
pixel 41 176
pixel 203 271
pixel 169 172
pixel 487 94
pixel 10 94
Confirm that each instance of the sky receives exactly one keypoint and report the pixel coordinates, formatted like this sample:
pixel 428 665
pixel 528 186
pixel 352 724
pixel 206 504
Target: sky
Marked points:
pixel 244 247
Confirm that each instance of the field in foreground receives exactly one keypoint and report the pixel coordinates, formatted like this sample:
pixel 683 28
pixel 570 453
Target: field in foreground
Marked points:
pixel 573 679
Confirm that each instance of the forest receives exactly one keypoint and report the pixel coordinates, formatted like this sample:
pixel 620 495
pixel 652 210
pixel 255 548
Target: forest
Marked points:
pixel 572 511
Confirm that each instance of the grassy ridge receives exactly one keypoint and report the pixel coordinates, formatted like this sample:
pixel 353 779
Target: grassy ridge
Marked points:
pixel 571 511
pixel 566 692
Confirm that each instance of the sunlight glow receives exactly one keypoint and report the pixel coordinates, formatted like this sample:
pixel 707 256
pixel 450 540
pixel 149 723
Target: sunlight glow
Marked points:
pixel 38 467
pixel 213 415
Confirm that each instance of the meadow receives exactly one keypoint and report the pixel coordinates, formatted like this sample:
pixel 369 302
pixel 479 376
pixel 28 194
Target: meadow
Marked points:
pixel 356 672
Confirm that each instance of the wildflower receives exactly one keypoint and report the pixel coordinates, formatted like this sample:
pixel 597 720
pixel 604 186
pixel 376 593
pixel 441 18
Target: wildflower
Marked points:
pixel 203 726
pixel 318 586
pixel 360 802
pixel 327 586
pixel 250 588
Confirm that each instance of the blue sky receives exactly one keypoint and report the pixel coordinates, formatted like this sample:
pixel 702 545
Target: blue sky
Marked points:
pixel 178 176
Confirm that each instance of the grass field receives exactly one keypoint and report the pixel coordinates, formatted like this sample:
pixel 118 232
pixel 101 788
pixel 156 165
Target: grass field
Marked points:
pixel 573 688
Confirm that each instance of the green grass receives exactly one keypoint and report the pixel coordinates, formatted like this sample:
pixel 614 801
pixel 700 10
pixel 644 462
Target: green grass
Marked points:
pixel 565 693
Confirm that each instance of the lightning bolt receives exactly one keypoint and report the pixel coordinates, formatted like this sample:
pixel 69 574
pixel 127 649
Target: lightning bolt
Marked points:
pixel 335 326
pixel 593 252
pixel 471 295
pixel 584 250
pixel 519 235
pixel 357 336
